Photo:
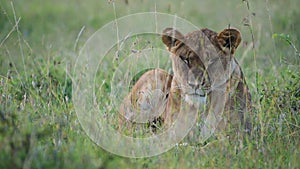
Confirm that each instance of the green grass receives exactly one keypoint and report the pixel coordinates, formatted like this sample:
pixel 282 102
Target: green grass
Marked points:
pixel 38 124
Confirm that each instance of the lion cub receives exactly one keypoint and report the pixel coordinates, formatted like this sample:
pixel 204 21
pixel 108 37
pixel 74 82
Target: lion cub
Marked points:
pixel 205 74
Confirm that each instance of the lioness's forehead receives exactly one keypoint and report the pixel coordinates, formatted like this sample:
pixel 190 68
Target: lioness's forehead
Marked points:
pixel 196 37
pixel 201 40
pixel 203 44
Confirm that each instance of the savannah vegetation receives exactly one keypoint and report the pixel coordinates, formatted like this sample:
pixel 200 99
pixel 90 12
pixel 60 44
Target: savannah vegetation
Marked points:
pixel 38 124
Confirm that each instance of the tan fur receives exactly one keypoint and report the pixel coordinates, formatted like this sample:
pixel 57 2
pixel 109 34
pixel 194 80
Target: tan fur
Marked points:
pixel 196 59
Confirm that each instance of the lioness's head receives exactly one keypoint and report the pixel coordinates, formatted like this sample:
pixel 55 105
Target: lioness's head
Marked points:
pixel 199 56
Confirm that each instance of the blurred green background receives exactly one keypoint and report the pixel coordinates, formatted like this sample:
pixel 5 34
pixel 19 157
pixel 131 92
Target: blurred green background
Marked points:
pixel 38 124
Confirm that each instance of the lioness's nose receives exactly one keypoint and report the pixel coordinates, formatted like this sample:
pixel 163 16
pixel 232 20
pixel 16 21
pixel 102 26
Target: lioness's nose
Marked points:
pixel 194 85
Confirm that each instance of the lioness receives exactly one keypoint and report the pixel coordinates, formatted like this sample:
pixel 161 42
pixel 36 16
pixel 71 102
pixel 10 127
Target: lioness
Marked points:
pixel 205 73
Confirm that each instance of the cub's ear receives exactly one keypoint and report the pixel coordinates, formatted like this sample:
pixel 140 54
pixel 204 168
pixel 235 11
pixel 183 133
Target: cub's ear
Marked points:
pixel 171 37
pixel 229 40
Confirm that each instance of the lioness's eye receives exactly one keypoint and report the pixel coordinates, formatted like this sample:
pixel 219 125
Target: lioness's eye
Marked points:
pixel 186 60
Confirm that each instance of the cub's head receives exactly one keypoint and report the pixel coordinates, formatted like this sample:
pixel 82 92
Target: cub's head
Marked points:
pixel 201 57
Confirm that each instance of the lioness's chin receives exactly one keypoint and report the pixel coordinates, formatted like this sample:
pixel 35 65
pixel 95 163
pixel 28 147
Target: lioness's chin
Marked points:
pixel 196 100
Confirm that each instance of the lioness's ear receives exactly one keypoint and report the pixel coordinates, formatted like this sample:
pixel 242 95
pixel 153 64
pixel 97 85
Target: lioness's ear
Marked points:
pixel 229 40
pixel 171 37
